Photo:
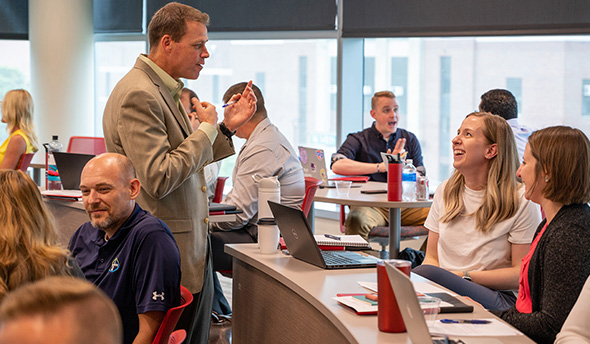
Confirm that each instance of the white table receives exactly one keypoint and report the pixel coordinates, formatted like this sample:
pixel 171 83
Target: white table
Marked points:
pixel 279 299
pixel 356 198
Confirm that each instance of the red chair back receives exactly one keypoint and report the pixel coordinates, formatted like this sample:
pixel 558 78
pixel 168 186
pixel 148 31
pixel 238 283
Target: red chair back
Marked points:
pixel 87 145
pixel 342 218
pixel 171 318
pixel 311 186
pixel 219 189
pixel 177 337
pixel 25 161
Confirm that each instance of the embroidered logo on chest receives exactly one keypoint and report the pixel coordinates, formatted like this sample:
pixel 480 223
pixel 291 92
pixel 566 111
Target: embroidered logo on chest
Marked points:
pixel 114 265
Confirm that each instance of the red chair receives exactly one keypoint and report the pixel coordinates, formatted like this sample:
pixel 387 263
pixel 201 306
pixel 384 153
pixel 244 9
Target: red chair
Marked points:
pixel 177 337
pixel 25 161
pixel 87 145
pixel 342 217
pixel 171 318
pixel 311 186
pixel 219 189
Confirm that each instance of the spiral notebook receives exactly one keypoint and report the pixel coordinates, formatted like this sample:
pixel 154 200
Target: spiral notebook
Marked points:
pixel 345 240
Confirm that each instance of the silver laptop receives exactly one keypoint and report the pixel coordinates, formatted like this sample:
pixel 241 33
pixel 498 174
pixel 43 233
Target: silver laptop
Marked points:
pixel 70 166
pixel 407 301
pixel 313 161
pixel 302 245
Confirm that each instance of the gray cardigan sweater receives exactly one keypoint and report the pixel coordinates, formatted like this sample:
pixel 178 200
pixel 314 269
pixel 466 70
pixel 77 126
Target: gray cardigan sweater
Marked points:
pixel 558 269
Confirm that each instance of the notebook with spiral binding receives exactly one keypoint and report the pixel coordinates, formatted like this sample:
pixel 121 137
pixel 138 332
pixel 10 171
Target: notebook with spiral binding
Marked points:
pixel 345 240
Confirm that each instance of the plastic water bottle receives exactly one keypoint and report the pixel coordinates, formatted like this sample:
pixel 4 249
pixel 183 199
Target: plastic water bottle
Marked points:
pixel 53 181
pixel 409 181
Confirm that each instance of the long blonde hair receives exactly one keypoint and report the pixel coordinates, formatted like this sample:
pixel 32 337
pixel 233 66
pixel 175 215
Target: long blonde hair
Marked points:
pixel 500 200
pixel 28 249
pixel 17 107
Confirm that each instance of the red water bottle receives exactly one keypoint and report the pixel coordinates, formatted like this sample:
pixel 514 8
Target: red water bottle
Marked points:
pixel 394 180
pixel 388 315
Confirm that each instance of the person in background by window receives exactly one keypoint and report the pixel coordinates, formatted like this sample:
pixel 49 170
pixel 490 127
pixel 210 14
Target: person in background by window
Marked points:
pixel 212 170
pixel 29 249
pixel 502 103
pixel 556 174
pixel 360 154
pixel 480 223
pixel 17 113
pixel 61 310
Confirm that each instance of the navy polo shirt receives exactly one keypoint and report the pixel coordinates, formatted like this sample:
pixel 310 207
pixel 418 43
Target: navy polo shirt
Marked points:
pixel 139 267
pixel 367 145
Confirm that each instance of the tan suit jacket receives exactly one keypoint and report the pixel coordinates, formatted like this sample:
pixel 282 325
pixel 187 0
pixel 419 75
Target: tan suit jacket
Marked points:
pixel 143 122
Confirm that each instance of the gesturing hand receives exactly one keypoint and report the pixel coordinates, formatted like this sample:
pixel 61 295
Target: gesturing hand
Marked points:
pixel 205 112
pixel 399 147
pixel 241 111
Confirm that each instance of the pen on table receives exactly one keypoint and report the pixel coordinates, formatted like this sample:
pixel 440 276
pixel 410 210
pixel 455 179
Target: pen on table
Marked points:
pixel 332 236
pixel 464 321
pixel 229 103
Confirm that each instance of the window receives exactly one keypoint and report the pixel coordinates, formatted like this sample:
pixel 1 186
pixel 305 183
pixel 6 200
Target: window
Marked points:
pixel 295 77
pixel 15 71
pixel 549 75
pixel 586 97
pixel 113 60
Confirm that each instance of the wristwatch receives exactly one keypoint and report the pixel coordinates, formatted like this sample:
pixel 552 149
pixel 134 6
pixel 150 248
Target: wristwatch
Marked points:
pixel 225 130
pixel 466 276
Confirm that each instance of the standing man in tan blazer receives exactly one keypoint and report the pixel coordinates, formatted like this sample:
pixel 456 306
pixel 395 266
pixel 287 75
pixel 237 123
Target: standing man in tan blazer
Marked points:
pixel 145 121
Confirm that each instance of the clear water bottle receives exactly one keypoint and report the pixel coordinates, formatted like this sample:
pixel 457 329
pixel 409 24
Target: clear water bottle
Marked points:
pixel 53 181
pixel 409 181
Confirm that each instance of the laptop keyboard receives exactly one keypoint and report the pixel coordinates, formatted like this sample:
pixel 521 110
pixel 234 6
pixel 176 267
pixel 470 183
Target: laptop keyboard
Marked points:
pixel 333 258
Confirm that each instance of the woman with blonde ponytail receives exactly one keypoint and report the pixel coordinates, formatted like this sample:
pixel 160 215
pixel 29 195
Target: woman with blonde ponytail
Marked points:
pixel 17 113
pixel 28 239
pixel 480 224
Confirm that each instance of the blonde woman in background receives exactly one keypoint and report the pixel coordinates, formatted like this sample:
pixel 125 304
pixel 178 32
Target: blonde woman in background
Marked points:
pixel 28 238
pixel 480 223
pixel 17 113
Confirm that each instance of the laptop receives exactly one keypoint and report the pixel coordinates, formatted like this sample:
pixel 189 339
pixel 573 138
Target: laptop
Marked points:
pixel 69 166
pixel 302 245
pixel 407 301
pixel 313 161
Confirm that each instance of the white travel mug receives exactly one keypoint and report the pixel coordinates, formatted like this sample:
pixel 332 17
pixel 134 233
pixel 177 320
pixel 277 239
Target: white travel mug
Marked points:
pixel 268 235
pixel 269 189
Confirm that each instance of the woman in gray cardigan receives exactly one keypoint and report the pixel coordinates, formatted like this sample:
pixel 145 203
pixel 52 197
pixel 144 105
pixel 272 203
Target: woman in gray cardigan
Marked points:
pixel 556 174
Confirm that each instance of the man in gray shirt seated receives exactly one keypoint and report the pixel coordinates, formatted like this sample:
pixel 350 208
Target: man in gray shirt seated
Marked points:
pixel 267 152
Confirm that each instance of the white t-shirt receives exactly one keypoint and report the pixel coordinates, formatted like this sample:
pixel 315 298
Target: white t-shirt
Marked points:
pixel 461 247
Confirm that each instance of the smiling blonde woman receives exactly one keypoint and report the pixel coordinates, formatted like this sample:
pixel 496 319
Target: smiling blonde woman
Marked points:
pixel 480 224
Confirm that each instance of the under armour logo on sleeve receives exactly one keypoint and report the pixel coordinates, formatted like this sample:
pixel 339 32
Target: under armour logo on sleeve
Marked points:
pixel 156 296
